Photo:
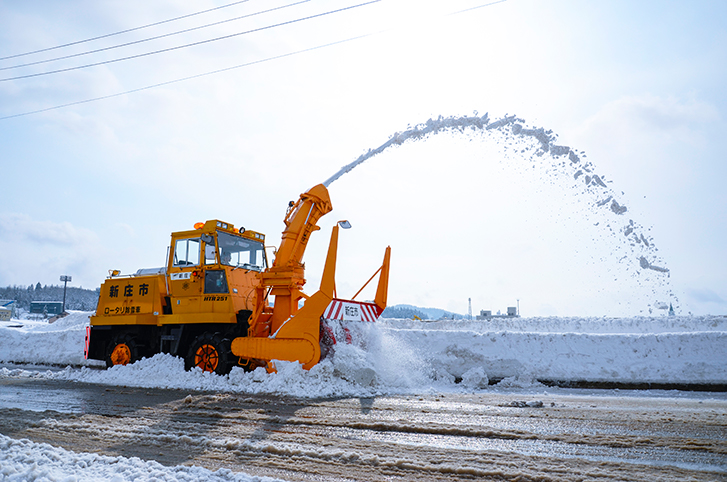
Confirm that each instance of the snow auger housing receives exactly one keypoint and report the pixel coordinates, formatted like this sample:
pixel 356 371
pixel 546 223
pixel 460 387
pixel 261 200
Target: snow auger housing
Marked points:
pixel 211 303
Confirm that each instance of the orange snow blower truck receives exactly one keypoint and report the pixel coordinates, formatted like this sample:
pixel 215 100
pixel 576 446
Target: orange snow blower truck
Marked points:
pixel 213 303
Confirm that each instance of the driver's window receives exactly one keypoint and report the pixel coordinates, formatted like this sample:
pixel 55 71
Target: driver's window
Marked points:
pixel 186 252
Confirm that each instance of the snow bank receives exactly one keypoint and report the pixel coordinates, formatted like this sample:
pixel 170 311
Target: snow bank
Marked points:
pixel 698 357
pixel 549 324
pixel 58 343
pixel 405 356
pixel 26 461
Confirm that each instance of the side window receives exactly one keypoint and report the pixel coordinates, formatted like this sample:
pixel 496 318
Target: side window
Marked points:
pixel 209 254
pixel 209 249
pixel 186 252
pixel 215 281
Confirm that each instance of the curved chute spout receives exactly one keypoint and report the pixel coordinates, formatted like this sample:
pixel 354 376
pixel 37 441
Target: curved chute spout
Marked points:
pixel 297 338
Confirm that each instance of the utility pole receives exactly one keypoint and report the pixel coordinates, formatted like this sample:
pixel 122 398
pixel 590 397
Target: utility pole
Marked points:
pixel 469 313
pixel 65 278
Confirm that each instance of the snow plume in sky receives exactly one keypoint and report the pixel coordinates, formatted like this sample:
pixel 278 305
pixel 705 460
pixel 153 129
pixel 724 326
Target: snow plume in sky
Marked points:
pixel 535 150
pixel 419 132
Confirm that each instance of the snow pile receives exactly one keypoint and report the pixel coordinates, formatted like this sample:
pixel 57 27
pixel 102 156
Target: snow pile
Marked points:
pixel 23 460
pixel 667 349
pixel 686 357
pixel 405 356
pixel 165 371
pixel 58 343
pixel 551 324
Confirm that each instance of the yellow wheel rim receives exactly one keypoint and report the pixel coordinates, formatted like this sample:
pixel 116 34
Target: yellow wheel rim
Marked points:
pixel 206 358
pixel 121 354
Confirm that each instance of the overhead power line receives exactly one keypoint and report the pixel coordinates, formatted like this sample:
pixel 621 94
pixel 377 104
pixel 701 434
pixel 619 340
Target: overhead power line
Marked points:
pixel 88 52
pixel 201 42
pixel 476 7
pixel 175 81
pixel 123 31
pixel 227 69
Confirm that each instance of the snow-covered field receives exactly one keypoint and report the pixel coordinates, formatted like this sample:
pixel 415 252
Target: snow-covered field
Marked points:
pixel 405 356
pixel 389 357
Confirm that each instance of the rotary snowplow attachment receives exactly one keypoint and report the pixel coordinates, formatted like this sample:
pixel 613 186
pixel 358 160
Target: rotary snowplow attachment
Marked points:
pixel 297 340
pixel 290 333
pixel 298 337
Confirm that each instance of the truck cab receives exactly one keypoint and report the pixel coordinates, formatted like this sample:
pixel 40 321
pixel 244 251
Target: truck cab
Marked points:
pixel 202 299
pixel 215 270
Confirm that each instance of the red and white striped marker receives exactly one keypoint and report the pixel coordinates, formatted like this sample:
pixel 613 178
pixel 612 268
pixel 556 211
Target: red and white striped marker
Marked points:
pixel 345 310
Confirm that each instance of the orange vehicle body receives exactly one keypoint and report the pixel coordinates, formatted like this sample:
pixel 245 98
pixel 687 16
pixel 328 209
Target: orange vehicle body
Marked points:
pixel 211 304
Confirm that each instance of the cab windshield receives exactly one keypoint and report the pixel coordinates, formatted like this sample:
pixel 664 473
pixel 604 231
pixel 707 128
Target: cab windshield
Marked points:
pixel 241 252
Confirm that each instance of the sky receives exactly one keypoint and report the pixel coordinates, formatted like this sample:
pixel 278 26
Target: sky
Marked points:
pixel 637 87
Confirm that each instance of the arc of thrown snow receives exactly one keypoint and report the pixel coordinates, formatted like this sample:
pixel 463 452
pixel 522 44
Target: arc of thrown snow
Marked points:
pixel 431 126
pixel 434 126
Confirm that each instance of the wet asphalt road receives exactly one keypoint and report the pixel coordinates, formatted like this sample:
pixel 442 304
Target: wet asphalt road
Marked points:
pixel 496 435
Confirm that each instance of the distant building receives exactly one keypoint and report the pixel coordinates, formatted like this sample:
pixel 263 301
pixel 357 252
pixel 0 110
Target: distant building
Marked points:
pixel 46 307
pixel 487 314
pixel 7 310
pixel 484 314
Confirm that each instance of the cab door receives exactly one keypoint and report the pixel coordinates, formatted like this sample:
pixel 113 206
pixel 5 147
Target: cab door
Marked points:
pixel 216 297
pixel 186 276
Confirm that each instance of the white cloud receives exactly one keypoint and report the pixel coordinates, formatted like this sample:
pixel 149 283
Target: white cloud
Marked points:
pixel 33 250
pixel 636 121
pixel 20 227
pixel 706 295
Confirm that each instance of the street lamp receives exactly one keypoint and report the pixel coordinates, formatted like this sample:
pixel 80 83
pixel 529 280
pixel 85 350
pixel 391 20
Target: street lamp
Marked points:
pixel 65 278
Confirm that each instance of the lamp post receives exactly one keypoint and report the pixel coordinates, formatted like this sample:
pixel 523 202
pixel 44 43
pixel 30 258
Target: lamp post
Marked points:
pixel 65 278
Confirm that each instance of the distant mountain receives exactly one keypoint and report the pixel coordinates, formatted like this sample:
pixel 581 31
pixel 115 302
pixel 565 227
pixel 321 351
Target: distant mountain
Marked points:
pixel 410 311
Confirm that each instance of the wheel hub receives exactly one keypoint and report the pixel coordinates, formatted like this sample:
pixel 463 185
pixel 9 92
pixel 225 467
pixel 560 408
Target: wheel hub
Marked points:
pixel 121 354
pixel 206 358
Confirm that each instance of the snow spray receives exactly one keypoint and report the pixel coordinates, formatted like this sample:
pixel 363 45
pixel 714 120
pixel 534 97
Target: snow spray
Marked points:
pixel 593 186
pixel 375 358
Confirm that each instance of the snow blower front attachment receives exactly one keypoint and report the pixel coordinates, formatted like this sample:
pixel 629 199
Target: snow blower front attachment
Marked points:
pixel 211 304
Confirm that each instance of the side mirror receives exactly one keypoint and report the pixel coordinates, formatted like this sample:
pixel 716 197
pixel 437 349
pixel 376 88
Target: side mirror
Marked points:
pixel 208 239
pixel 344 224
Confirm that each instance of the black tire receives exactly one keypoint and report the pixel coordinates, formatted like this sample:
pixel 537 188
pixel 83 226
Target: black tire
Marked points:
pixel 211 353
pixel 122 350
